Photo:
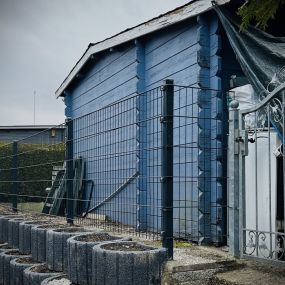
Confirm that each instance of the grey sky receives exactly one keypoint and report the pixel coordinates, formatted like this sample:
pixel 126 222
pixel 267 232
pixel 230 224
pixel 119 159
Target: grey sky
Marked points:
pixel 41 40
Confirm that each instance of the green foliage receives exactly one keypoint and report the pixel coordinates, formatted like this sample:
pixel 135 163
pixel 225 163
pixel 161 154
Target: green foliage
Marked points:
pixel 258 12
pixel 35 164
pixel 31 206
pixel 182 244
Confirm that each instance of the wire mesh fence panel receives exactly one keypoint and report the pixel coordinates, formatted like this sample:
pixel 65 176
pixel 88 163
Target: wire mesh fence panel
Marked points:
pixel 119 144
pixel 122 146
pixel 199 182
pixel 28 167
pixel 117 167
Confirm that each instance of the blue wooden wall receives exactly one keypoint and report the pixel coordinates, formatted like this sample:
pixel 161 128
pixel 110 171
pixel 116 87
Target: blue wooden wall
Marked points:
pixel 173 54
pixel 191 54
pixel 112 77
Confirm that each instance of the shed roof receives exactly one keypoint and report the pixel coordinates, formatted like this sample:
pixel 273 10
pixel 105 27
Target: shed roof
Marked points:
pixel 191 9
pixel 30 127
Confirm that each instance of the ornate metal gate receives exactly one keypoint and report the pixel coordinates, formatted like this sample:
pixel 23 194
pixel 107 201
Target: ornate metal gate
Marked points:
pixel 256 177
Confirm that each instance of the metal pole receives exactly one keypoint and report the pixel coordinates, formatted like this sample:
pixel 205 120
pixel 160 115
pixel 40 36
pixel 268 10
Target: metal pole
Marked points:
pixel 283 144
pixel 167 166
pixel 69 171
pixel 34 107
pixel 243 152
pixel 233 167
pixel 14 175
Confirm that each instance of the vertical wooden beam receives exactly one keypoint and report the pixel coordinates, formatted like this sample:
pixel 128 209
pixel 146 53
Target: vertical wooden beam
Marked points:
pixel 203 230
pixel 68 104
pixel 141 107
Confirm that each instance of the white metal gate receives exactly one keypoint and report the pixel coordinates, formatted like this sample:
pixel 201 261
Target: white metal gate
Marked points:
pixel 256 175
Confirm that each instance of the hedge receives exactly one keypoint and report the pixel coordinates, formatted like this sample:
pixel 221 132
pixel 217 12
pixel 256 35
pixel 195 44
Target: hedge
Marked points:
pixel 35 164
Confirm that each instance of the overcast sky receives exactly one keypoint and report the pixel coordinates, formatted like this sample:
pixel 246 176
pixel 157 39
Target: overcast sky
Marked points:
pixel 41 40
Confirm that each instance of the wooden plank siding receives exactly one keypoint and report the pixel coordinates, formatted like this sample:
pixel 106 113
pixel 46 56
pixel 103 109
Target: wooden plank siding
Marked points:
pixel 112 78
pixel 172 55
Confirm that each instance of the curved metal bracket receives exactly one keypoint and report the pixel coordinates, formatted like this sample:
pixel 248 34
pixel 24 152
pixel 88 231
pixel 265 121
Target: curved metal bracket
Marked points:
pixel 264 102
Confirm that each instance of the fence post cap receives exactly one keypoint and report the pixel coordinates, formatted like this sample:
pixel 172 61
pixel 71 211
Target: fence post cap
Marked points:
pixel 168 81
pixel 234 104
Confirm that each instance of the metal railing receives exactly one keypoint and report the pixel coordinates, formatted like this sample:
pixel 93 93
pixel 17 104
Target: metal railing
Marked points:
pixel 151 164
pixel 256 178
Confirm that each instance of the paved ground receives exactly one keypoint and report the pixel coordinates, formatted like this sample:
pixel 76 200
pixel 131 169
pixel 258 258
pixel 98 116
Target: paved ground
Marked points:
pixel 199 265
pixel 248 276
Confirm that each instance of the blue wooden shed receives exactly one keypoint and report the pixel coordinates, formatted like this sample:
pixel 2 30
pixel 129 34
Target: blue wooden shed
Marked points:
pixel 189 46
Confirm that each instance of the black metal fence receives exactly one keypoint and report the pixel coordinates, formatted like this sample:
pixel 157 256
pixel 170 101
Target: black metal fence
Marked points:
pixel 152 164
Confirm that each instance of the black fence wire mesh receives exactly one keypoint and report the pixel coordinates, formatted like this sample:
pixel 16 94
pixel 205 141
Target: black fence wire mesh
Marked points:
pixel 113 172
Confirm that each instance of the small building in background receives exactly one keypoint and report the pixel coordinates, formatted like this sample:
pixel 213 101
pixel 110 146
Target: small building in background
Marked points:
pixel 33 134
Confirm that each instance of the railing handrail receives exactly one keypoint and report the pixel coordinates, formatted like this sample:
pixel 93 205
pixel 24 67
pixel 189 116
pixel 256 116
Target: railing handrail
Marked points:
pixel 270 96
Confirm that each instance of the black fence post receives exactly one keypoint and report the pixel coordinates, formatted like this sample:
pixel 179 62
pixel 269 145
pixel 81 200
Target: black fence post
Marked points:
pixel 14 174
pixel 167 166
pixel 69 171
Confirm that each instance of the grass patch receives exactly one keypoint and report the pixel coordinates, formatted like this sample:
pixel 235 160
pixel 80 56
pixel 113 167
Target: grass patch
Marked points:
pixel 31 206
pixel 182 244
pixel 177 243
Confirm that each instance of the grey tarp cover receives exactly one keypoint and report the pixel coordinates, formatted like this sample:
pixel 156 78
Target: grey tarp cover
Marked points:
pixel 261 56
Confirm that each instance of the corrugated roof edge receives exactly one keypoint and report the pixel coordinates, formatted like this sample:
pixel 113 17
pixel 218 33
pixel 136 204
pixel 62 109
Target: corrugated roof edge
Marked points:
pixel 179 14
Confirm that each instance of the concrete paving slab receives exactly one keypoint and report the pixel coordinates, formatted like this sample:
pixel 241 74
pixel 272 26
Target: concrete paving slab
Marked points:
pixel 248 276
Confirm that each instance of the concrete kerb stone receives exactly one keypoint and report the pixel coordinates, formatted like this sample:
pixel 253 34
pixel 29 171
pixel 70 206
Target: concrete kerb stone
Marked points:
pixel 16 270
pixel 5 258
pixel 79 257
pixel 31 277
pixel 13 231
pixel 25 234
pixel 56 246
pixel 38 241
pixel 127 267
pixel 4 247
pixel 4 226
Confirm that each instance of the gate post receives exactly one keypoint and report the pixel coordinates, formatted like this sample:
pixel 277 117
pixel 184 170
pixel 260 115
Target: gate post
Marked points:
pixel 167 166
pixel 283 142
pixel 14 176
pixel 233 184
pixel 69 171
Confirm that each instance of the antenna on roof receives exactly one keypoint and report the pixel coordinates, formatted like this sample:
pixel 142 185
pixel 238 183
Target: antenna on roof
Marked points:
pixel 34 107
